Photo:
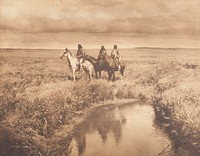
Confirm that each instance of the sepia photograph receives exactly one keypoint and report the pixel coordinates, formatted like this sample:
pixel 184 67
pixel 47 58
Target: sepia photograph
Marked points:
pixel 99 78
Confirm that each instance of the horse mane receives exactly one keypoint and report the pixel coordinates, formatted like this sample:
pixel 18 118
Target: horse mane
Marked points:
pixel 70 53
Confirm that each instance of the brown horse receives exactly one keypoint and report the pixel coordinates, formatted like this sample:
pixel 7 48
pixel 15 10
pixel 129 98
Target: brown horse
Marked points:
pixel 97 67
pixel 115 65
pixel 108 64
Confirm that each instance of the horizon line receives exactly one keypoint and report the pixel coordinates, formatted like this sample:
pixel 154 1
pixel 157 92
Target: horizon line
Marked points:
pixel 140 47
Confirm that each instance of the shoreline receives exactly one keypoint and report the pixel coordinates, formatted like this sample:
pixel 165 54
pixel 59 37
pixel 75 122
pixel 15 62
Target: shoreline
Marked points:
pixel 42 145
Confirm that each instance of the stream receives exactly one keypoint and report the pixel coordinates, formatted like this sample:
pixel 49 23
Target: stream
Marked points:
pixel 127 130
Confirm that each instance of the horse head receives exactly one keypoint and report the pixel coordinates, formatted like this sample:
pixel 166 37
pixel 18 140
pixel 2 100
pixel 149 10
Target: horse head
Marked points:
pixel 66 54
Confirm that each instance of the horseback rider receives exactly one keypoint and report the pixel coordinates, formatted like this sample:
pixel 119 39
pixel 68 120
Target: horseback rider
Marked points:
pixel 116 56
pixel 115 53
pixel 80 54
pixel 101 58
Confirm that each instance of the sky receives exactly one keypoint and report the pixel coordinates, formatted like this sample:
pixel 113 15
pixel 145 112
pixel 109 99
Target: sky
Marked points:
pixel 92 23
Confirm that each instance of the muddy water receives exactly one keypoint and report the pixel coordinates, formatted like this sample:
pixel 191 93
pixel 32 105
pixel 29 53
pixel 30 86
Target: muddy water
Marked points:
pixel 120 131
pixel 9 146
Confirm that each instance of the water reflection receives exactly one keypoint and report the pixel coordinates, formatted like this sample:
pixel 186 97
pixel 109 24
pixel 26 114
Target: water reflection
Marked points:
pixel 9 146
pixel 105 122
pixel 120 131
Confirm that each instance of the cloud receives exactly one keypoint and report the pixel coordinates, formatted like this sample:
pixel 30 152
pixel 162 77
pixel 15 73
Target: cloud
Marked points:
pixel 102 3
pixel 151 26
pixel 138 18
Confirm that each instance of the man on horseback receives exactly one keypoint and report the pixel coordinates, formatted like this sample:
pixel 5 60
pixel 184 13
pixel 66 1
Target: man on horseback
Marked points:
pixel 115 53
pixel 80 51
pixel 77 63
pixel 80 54
pixel 102 54
pixel 116 56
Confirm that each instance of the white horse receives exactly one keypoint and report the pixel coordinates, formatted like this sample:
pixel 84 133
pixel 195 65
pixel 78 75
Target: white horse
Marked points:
pixel 87 67
pixel 76 63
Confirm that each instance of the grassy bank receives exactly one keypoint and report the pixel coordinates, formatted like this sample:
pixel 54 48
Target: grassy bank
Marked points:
pixel 41 108
pixel 177 106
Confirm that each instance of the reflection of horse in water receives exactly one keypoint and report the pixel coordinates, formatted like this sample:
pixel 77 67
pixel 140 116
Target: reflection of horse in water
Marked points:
pixel 105 122
pixel 76 63
pixel 108 64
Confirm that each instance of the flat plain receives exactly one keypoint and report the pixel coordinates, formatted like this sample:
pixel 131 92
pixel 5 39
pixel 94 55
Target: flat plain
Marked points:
pixel 40 104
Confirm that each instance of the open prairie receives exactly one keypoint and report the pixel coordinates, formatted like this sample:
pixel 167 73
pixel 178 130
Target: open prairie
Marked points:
pixel 39 106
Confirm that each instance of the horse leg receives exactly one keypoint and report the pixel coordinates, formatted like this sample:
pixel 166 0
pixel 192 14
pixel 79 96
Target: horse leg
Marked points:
pixel 74 77
pixel 96 74
pixel 99 74
pixel 90 74
pixel 109 75
pixel 86 74
pixel 122 71
pixel 113 73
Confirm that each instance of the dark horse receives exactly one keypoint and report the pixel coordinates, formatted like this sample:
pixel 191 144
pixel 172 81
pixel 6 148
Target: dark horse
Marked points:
pixel 108 65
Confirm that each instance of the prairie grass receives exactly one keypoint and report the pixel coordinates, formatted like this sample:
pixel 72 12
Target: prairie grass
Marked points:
pixel 37 101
